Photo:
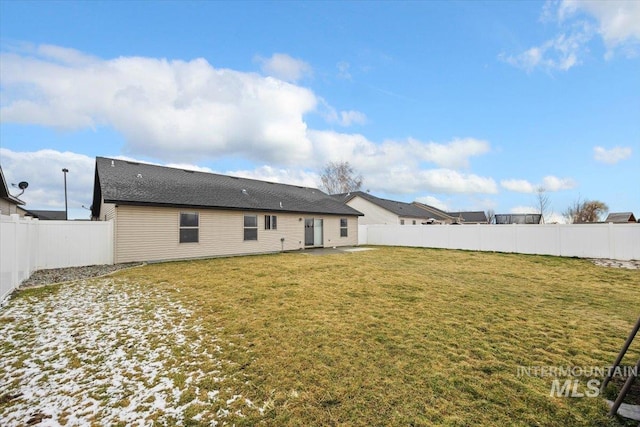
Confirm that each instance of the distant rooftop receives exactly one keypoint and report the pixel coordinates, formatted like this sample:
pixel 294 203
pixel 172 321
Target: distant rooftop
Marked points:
pixel 407 210
pixel 620 217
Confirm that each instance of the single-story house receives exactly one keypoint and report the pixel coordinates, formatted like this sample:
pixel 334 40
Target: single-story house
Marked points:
pixel 620 217
pixel 9 204
pixel 384 211
pixel 470 217
pixel 163 213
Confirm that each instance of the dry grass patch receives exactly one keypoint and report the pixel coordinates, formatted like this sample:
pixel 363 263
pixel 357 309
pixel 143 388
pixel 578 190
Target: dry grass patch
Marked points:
pixel 402 336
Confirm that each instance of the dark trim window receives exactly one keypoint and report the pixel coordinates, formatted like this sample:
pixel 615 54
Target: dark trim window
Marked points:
pixel 250 227
pixel 344 230
pixel 270 222
pixel 189 224
pixel 413 222
pixel 402 222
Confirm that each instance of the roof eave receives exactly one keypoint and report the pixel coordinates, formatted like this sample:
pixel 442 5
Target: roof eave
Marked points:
pixel 229 208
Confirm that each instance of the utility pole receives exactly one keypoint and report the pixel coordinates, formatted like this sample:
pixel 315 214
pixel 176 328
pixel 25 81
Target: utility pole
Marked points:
pixel 66 211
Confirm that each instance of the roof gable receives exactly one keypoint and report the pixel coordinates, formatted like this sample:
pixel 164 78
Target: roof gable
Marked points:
pixel 620 217
pixel 470 216
pixel 125 182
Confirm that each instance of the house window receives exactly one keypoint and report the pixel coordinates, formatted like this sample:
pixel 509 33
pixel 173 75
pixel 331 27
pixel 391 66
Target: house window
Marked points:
pixel 402 222
pixel 343 227
pixel 189 227
pixel 413 222
pixel 250 227
pixel 270 222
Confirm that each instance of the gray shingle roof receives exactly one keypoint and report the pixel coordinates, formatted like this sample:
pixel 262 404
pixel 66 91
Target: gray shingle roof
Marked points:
pixel 48 215
pixel 470 216
pixel 407 210
pixel 124 182
pixel 620 217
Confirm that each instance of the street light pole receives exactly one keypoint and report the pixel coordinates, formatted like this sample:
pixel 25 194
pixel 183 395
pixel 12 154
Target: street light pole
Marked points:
pixel 66 211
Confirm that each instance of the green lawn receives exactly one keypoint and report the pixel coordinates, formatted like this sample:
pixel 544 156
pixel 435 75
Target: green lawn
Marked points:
pixel 392 336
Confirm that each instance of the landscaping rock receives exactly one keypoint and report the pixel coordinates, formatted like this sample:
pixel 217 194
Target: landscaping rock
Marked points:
pixel 57 275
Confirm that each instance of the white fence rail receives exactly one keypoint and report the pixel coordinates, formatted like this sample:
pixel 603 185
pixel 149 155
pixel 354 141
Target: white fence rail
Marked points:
pixel 28 244
pixel 615 241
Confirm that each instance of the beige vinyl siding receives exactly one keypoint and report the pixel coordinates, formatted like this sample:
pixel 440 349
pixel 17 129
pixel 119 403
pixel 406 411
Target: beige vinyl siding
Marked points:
pixel 409 220
pixel 152 233
pixel 373 214
pixel 7 208
pixel 107 211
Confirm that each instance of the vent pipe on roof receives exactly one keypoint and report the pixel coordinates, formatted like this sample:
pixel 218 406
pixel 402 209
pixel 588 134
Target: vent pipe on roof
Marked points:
pixel 244 191
pixel 112 163
pixel 280 205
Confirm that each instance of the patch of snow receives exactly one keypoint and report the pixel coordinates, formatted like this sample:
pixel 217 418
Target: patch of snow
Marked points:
pixel 101 351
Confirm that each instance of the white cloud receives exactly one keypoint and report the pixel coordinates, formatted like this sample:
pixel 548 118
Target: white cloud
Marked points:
pixel 343 118
pixel 616 22
pixel 552 183
pixel 176 110
pixel 549 183
pixel 398 166
pixel 363 153
pixel 523 210
pixel 560 53
pixel 404 180
pixel 518 185
pixel 189 167
pixel 347 118
pixel 612 155
pixel 283 176
pixel 182 112
pixel 433 201
pixel 284 67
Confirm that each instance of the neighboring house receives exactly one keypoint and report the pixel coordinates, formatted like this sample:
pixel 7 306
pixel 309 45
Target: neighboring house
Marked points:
pixel 620 217
pixel 518 218
pixel 9 204
pixel 163 213
pixel 470 217
pixel 47 215
pixel 436 216
pixel 384 211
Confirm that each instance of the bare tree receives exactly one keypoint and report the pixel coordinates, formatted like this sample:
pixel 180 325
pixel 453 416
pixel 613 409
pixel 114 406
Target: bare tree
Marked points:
pixel 580 212
pixel 490 213
pixel 340 177
pixel 542 200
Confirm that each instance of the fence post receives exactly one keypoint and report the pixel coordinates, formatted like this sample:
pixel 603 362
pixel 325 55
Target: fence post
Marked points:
pixel 612 243
pixel 15 218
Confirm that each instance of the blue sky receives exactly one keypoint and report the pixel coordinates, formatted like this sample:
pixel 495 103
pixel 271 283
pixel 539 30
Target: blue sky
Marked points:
pixel 462 105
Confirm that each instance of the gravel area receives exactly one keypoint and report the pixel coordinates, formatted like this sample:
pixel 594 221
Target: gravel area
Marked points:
pixel 57 275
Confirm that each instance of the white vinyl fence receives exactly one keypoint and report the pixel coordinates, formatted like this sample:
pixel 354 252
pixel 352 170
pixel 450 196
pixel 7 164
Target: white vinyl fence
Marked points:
pixel 614 241
pixel 28 244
